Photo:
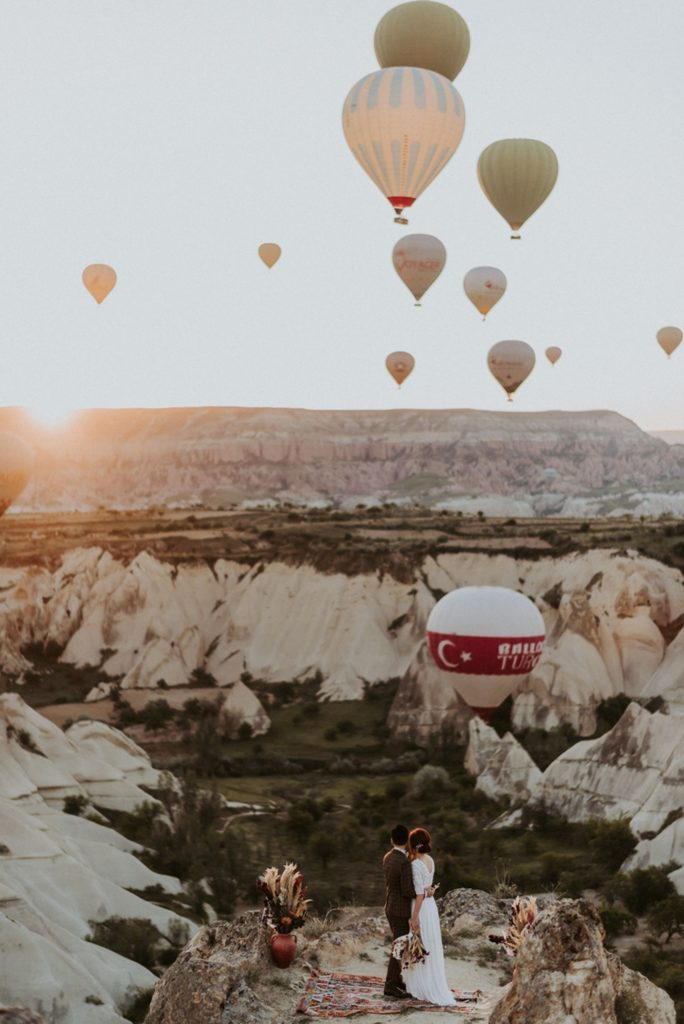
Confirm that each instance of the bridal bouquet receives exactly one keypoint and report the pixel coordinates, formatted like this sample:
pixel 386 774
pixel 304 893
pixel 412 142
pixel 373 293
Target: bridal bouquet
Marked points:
pixel 523 915
pixel 285 902
pixel 409 950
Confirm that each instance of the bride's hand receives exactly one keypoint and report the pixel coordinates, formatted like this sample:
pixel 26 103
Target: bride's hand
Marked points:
pixel 414 925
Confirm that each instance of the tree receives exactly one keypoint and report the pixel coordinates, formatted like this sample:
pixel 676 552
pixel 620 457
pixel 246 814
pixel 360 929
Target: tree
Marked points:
pixel 324 844
pixel 667 916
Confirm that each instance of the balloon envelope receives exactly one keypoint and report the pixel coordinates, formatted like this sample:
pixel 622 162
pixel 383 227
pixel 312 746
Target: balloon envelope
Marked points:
pixel 400 365
pixel 403 125
pixel 511 362
pixel 99 279
pixel 517 175
pixel 669 338
pixel 16 465
pixel 423 34
pixel 490 638
pixel 269 253
pixel 419 260
pixel 553 354
pixel 484 286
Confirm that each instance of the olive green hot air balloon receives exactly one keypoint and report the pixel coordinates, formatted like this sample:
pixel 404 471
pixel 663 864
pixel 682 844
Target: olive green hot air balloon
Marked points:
pixel 517 175
pixel 423 34
pixel 16 465
pixel 668 339
pixel 269 252
pixel 511 363
pixel 99 279
pixel 400 365
pixel 484 286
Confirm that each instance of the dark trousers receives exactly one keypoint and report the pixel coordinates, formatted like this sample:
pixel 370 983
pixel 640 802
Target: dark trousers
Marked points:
pixel 399 926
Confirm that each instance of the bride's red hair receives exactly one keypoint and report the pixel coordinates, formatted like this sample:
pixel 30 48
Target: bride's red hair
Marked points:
pixel 419 841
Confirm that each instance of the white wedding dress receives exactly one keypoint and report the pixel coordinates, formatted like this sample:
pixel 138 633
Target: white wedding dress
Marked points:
pixel 427 981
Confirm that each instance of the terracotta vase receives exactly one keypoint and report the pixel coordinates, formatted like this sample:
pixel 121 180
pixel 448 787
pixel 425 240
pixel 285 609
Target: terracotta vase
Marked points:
pixel 283 949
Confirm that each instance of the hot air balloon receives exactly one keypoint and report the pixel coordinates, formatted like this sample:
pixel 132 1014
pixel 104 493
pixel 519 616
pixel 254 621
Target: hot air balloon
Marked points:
pixel 400 365
pixel 550 475
pixel 418 260
pixel 16 465
pixel 423 34
pixel 553 354
pixel 517 175
pixel 269 252
pixel 99 279
pixel 484 286
pixel 403 124
pixel 511 362
pixel 668 339
pixel 490 638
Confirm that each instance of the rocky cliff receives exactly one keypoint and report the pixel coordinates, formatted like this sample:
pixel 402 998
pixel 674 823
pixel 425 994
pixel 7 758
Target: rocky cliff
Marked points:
pixel 138 458
pixel 60 872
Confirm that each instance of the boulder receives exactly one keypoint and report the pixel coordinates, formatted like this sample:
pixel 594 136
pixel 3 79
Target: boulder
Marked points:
pixel 241 706
pixel 563 975
pixel 212 973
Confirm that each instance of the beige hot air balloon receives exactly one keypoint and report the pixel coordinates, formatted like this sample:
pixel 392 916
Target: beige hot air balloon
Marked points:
pixel 99 279
pixel 553 354
pixel 511 362
pixel 16 465
pixel 270 252
pixel 484 286
pixel 400 365
pixel 403 124
pixel 517 175
pixel 668 339
pixel 423 34
pixel 419 260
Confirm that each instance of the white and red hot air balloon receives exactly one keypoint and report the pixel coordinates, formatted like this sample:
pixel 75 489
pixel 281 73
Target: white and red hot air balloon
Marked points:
pixel 490 638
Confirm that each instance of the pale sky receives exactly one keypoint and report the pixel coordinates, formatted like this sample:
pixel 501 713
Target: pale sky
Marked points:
pixel 171 138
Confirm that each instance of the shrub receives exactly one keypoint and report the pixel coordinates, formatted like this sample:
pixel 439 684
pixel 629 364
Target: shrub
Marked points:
pixel 245 731
pixel 644 887
pixel 617 921
pixel 611 842
pixel 75 804
pixel 430 779
pixel 133 937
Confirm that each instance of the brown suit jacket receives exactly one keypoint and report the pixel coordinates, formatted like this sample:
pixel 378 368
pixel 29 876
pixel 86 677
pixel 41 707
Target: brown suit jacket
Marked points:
pixel 399 889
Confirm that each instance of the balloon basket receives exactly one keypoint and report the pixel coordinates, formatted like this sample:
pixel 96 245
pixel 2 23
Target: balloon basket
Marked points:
pixel 401 220
pixel 516 238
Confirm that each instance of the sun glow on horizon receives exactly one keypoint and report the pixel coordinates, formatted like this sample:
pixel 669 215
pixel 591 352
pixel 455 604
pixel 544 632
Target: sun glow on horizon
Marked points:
pixel 52 415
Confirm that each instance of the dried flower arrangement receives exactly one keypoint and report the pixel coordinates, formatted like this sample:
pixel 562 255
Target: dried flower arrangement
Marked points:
pixel 285 902
pixel 409 950
pixel 524 913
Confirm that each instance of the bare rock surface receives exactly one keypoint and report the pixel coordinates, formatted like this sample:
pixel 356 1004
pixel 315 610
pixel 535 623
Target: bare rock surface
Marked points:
pixel 20 1015
pixel 563 975
pixel 502 767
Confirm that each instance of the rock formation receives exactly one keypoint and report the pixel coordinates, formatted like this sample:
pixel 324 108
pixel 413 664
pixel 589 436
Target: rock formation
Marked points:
pixel 665 848
pixel 138 458
pixel 504 769
pixel 563 974
pixel 59 872
pixel 607 615
pixel 635 771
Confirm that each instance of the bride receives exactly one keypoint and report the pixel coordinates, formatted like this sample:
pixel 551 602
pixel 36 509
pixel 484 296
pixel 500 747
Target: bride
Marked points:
pixel 426 981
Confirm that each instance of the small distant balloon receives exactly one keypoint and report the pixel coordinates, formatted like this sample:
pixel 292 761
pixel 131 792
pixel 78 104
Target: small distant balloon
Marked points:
pixel 517 175
pixel 400 365
pixel 553 354
pixel 270 252
pixel 484 286
pixel 99 279
pixel 550 474
pixel 16 466
pixel 511 363
pixel 419 260
pixel 423 34
pixel 403 125
pixel 668 339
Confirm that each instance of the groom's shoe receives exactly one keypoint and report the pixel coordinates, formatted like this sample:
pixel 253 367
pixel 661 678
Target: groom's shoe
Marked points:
pixel 397 993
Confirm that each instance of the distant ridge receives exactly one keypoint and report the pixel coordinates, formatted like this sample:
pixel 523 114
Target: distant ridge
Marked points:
pixel 141 457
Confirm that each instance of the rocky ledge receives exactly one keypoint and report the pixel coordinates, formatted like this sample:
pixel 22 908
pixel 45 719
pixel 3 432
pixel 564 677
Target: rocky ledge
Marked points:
pixel 562 973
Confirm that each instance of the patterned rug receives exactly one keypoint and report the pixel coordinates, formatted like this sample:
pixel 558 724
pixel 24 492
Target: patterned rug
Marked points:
pixel 347 995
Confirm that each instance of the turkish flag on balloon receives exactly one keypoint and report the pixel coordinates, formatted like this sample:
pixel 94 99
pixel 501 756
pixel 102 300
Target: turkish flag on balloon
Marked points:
pixel 490 638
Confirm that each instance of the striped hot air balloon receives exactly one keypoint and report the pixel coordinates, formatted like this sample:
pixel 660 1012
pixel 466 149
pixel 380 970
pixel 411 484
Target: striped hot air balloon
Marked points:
pixel 403 125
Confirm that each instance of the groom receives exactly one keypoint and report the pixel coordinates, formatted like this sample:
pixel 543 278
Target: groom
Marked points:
pixel 399 892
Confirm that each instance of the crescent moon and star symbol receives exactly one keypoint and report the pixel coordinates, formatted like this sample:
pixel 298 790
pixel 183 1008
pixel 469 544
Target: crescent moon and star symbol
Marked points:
pixel 465 656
